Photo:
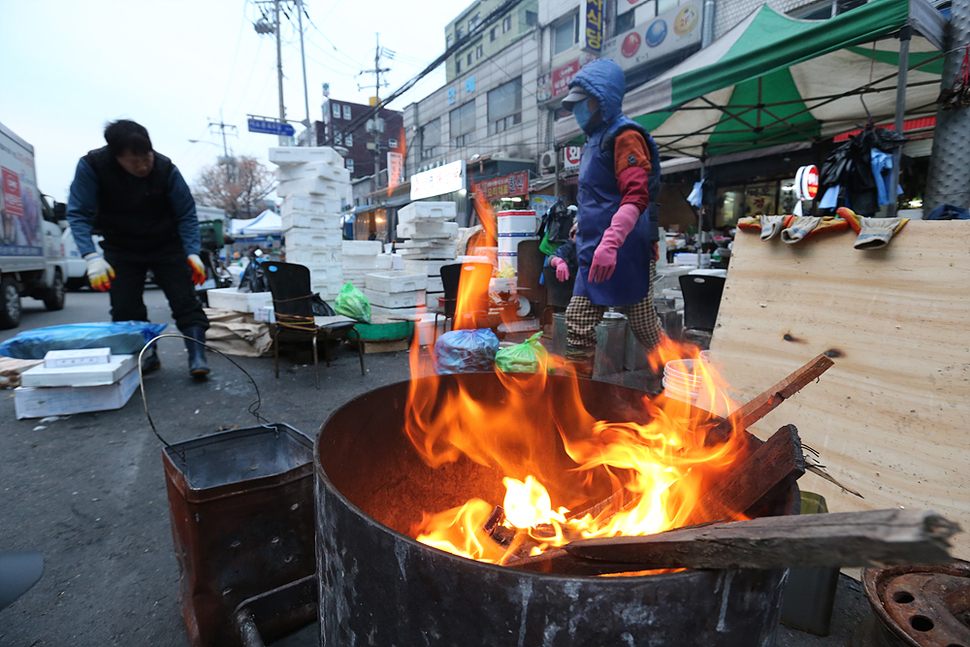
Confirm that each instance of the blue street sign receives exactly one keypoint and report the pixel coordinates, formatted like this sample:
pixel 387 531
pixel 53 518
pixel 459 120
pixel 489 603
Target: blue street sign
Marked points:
pixel 270 127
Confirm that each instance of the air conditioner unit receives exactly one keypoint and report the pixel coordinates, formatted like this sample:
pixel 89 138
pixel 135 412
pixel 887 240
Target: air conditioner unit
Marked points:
pixel 547 160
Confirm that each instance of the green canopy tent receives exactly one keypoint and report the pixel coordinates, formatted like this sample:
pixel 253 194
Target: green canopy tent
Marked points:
pixel 775 80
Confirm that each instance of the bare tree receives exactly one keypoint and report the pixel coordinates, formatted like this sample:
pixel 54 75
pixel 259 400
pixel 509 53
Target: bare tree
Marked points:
pixel 238 187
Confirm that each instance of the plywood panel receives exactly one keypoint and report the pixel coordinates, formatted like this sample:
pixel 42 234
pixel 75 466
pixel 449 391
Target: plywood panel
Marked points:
pixel 892 417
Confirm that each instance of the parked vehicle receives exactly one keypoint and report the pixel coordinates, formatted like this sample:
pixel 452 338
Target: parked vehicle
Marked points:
pixel 32 261
pixel 77 267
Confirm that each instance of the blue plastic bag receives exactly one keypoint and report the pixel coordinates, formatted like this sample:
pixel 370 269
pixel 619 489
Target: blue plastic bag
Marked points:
pixel 465 351
pixel 122 337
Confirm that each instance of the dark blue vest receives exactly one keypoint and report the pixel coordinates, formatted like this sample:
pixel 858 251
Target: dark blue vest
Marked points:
pixel 598 199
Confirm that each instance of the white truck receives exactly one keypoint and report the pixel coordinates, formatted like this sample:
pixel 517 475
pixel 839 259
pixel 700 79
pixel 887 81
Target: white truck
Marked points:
pixel 32 261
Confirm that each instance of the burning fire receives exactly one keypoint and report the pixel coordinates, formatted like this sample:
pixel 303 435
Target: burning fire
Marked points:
pixel 567 476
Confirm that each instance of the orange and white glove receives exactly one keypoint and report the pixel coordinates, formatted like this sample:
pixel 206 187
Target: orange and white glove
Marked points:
pixel 874 233
pixel 198 269
pixel 562 270
pixel 100 272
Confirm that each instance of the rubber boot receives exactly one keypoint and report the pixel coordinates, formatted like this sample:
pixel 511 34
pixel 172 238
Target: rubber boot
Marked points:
pixel 581 359
pixel 150 361
pixel 197 366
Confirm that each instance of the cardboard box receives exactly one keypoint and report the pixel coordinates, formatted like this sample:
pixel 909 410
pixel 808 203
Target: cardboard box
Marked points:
pixel 90 375
pixel 77 357
pixel 40 402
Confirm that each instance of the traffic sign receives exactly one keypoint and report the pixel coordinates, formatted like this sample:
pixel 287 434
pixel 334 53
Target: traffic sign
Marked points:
pixel 270 127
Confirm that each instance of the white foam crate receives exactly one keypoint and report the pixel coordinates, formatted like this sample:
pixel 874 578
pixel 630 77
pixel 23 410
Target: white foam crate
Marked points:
pixel 310 220
pixel 424 328
pixel 321 272
pixel 431 268
pixel 287 155
pixel 435 284
pixel 321 170
pixel 328 239
pixel 427 229
pixel 395 299
pixel 232 299
pixel 396 281
pixel 311 204
pixel 427 210
pixel 310 256
pixel 79 375
pixel 40 402
pixel 76 357
pixel 384 262
pixel 311 186
pixel 399 312
pixel 361 264
pixel 362 247
pixel 517 222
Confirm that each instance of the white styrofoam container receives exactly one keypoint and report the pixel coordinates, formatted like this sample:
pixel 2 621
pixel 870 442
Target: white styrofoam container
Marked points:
pixel 427 229
pixel 396 281
pixel 89 375
pixel 424 328
pixel 517 222
pixel 312 186
pixel 310 256
pixel 362 247
pixel 310 220
pixel 321 170
pixel 315 239
pixel 285 155
pixel 362 264
pixel 384 262
pixel 40 402
pixel 325 272
pixel 431 268
pixel 77 357
pixel 310 204
pixel 232 299
pixel 427 210
pixel 435 284
pixel 398 312
pixel 265 314
pixel 395 299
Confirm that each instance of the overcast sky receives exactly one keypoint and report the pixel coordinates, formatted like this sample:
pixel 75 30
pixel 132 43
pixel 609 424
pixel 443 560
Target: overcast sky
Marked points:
pixel 70 66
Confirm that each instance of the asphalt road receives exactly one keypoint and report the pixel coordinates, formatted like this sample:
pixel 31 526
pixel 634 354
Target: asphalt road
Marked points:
pixel 88 490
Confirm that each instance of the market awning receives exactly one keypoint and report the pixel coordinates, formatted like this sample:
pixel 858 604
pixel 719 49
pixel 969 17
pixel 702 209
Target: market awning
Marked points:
pixel 773 79
pixel 267 223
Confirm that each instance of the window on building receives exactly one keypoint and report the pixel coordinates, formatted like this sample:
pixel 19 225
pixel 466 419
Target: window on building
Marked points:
pixel 338 139
pixel 566 35
pixel 825 9
pixel 473 22
pixel 430 138
pixel 349 140
pixel 505 106
pixel 479 52
pixel 459 32
pixel 458 64
pixel 350 165
pixel 625 22
pixel 462 124
pixel 336 111
pixel 493 34
pixel 531 18
pixel 346 112
pixel 506 24
pixel 392 144
pixel 469 59
pixel 449 40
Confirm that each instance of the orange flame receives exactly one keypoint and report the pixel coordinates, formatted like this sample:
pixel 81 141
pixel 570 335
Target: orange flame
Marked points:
pixel 558 461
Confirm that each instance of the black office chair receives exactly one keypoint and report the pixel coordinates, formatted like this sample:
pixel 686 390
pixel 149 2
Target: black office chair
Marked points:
pixel 702 299
pixel 293 308
pixel 451 277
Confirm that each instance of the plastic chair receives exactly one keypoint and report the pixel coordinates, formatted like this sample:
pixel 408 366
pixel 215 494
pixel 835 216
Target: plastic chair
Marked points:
pixel 702 299
pixel 293 308
pixel 451 279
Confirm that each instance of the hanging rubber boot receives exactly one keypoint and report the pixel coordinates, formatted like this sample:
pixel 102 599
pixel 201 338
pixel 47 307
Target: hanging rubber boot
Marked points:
pixel 197 366
pixel 150 361
pixel 581 358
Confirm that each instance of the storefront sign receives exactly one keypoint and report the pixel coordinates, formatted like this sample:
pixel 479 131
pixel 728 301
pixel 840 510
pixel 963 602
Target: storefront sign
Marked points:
pixel 593 33
pixel 666 34
pixel 806 182
pixel 503 187
pixel 570 157
pixel 395 164
pixel 438 181
pixel 556 83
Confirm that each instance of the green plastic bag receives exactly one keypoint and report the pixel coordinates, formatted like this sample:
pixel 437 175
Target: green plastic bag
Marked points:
pixel 352 303
pixel 522 358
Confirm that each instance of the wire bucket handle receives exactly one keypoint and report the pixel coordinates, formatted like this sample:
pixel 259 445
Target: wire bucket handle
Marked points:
pixel 253 408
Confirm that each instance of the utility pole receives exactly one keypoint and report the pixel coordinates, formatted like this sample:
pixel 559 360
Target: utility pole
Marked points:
pixel 227 160
pixel 264 27
pixel 306 98
pixel 376 125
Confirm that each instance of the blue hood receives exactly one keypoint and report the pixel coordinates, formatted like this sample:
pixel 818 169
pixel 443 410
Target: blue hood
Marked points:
pixel 603 79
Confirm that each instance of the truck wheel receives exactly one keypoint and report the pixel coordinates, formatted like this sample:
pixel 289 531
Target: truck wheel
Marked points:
pixel 54 298
pixel 9 303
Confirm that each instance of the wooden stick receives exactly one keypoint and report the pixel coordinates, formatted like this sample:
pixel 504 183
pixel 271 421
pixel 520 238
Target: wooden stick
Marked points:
pixel 869 538
pixel 758 407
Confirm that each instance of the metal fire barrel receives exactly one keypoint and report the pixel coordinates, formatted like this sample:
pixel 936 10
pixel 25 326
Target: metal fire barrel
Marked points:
pixel 241 507
pixel 380 587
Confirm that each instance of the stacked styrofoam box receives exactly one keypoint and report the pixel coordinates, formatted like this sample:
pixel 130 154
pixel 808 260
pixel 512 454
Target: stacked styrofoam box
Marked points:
pixel 312 182
pixel 360 259
pixel 430 230
pixel 76 384
pixel 397 293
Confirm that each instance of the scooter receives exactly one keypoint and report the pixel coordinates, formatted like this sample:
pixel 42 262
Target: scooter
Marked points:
pixel 18 573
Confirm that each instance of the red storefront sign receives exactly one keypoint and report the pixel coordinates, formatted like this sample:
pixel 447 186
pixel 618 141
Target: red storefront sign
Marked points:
pixel 503 187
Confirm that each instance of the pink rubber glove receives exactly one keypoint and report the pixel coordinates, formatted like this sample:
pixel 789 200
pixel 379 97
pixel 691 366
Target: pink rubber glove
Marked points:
pixel 562 270
pixel 604 258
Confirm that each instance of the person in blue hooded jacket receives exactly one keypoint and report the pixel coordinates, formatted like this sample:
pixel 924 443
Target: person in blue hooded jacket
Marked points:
pixel 619 176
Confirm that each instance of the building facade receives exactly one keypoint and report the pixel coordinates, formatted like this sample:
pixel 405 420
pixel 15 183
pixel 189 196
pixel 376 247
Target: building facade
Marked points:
pixel 365 141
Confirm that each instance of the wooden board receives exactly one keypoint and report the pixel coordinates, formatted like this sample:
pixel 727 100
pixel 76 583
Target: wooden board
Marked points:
pixel 891 419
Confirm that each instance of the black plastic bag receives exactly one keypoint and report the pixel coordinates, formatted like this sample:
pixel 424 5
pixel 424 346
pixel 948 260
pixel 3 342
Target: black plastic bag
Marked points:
pixel 253 279
pixel 320 307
